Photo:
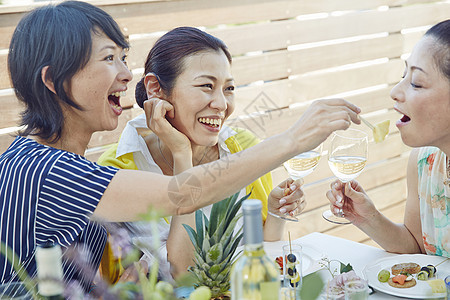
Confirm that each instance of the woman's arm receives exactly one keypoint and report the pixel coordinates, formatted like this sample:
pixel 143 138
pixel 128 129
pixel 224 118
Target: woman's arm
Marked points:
pixel 180 251
pixel 209 183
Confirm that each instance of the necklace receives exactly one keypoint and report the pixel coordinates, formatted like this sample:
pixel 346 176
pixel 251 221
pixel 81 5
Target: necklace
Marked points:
pixel 167 162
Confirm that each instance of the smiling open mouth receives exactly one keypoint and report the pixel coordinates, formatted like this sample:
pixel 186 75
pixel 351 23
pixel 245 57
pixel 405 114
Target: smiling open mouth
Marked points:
pixel 114 102
pixel 215 123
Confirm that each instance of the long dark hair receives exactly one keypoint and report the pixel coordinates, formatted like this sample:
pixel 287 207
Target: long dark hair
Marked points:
pixel 166 58
pixel 441 32
pixel 58 36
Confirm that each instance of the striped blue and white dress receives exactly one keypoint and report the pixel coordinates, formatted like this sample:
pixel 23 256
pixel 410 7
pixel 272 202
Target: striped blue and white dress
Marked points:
pixel 48 195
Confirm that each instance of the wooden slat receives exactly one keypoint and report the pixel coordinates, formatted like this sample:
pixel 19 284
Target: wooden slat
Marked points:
pixel 163 16
pixel 372 100
pixel 367 22
pixel 10 109
pixel 273 122
pixel 8 23
pixel 279 35
pixel 4 77
pixel 281 64
pixel 411 39
pixel 281 93
pixel 5 140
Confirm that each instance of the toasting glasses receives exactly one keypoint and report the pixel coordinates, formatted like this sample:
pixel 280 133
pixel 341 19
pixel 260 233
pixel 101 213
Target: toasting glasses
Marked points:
pixel 347 158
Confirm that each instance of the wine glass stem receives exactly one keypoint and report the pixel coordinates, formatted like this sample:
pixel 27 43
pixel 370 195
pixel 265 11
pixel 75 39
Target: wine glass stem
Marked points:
pixel 342 199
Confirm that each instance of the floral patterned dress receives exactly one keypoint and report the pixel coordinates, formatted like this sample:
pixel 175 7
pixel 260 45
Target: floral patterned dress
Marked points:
pixel 434 195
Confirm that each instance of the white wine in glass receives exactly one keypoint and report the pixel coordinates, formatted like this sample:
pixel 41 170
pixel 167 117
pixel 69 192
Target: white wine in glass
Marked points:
pixel 347 158
pixel 298 167
pixel 302 164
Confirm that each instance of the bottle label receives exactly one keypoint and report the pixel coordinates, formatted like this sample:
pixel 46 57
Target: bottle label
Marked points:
pixel 269 290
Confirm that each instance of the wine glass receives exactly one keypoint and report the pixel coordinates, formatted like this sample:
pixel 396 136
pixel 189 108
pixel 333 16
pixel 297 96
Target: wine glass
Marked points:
pixel 298 167
pixel 347 158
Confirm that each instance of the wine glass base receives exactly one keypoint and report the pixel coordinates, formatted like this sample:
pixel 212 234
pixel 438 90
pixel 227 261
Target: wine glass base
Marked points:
pixel 286 217
pixel 330 217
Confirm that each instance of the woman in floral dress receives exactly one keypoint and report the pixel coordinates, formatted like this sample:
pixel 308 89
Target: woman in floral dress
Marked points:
pixel 423 99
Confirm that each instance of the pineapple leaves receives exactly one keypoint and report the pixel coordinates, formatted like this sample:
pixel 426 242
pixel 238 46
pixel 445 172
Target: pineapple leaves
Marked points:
pixel 199 226
pixel 192 235
pixel 214 254
pixel 233 211
pixel 218 211
pixel 215 241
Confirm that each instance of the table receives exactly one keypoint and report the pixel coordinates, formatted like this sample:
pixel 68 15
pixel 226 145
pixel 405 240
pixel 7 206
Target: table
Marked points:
pixel 346 251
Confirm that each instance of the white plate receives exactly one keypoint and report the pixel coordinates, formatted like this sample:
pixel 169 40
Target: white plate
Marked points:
pixel 310 255
pixel 421 290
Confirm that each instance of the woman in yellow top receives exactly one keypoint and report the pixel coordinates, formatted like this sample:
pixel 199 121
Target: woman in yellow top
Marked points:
pixel 188 77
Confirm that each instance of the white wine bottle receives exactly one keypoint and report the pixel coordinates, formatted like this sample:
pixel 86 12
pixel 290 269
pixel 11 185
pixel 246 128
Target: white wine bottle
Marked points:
pixel 254 276
pixel 49 272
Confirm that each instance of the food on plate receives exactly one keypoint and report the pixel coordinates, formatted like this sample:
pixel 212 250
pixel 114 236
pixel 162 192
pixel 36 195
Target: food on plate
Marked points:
pixel 291 271
pixel 411 268
pixel 380 131
pixel 384 275
pixel 437 285
pixel 402 281
pixel 279 263
pixel 422 275
pixel 426 272
pixel 429 269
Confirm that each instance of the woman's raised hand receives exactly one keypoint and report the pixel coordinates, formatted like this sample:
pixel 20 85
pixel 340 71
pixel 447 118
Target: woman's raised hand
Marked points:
pixel 320 120
pixel 156 111
pixel 349 200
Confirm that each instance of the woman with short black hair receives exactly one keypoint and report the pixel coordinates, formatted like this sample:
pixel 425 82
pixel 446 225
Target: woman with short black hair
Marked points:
pixel 68 67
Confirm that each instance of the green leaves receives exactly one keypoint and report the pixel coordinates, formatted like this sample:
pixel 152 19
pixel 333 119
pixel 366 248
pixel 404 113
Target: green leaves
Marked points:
pixel 214 254
pixel 346 268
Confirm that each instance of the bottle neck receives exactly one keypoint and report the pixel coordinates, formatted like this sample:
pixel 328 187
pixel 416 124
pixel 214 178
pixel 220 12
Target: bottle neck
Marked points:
pixel 254 250
pixel 253 228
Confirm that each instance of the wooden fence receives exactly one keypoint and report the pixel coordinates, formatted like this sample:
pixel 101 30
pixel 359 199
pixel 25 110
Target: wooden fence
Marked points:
pixel 286 54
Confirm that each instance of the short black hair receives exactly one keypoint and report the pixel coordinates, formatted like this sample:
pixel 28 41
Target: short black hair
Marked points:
pixel 441 32
pixel 166 58
pixel 60 37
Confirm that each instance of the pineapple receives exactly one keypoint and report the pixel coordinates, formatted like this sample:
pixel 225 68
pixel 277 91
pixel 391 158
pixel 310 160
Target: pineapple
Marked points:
pixel 215 244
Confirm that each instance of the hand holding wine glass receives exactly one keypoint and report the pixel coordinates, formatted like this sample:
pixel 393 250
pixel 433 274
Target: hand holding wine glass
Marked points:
pixel 298 167
pixel 347 158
